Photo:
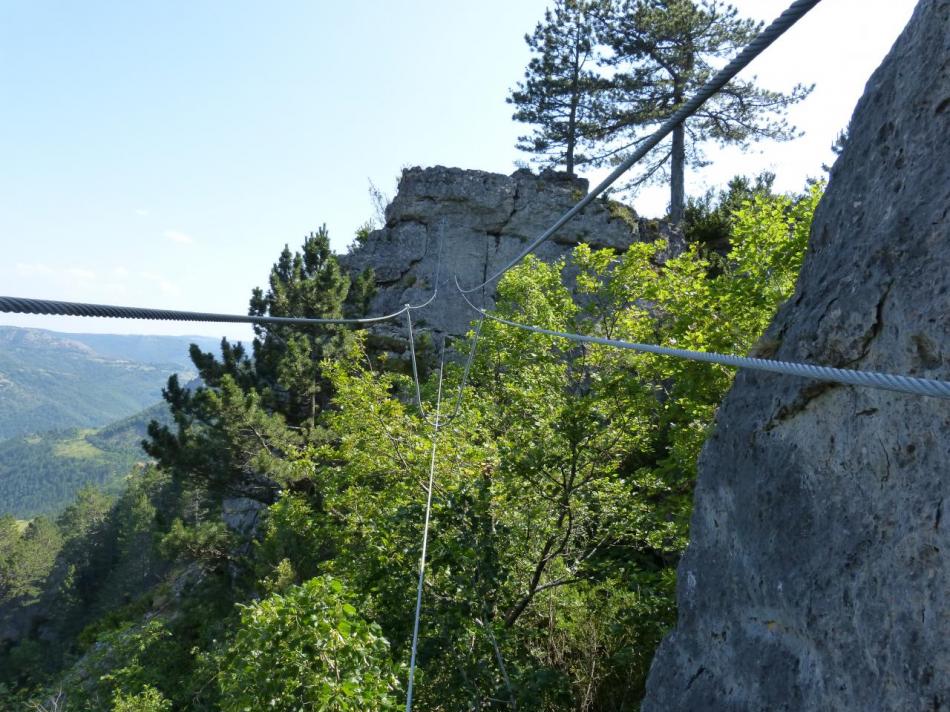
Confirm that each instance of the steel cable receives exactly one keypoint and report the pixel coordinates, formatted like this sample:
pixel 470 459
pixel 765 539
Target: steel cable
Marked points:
pixel 871 379
pixel 762 41
pixel 23 305
pixel 425 535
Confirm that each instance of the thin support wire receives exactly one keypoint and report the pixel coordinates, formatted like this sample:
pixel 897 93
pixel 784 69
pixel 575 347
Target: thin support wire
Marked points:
pixel 438 272
pixel 466 370
pixel 486 624
pixel 415 367
pixel 425 535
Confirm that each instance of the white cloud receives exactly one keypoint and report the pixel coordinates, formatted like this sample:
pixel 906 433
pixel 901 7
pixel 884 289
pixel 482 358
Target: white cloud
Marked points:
pixel 33 269
pixel 169 289
pixel 40 269
pixel 82 274
pixel 113 288
pixel 142 212
pixel 180 237
pixel 165 285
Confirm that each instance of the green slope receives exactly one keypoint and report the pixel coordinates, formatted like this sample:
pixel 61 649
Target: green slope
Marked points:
pixel 41 474
pixel 50 381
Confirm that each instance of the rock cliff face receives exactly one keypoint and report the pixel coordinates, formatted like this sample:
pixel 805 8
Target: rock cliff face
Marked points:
pixel 479 221
pixel 817 576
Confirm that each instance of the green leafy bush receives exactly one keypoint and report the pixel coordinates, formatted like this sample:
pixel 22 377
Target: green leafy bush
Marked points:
pixel 148 700
pixel 307 649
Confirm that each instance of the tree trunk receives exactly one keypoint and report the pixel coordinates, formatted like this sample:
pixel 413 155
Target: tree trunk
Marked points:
pixel 677 181
pixel 571 141
pixel 572 117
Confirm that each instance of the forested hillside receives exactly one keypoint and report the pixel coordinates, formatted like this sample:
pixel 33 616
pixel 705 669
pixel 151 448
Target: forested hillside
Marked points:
pixel 268 560
pixel 51 381
pixel 41 474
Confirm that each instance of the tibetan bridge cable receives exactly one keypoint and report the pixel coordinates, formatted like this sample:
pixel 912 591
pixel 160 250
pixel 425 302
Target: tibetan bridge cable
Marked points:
pixel 870 379
pixel 24 305
pixel 436 425
pixel 762 41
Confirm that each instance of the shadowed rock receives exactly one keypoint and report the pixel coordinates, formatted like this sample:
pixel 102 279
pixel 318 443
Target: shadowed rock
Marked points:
pixel 817 574
pixel 483 220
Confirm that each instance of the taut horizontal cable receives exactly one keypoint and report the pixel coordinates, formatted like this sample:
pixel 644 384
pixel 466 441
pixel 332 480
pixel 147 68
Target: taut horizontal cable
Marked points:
pixel 870 379
pixel 23 305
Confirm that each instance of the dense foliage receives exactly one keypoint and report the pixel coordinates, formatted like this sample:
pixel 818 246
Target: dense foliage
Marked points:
pixel 269 561
pixel 307 648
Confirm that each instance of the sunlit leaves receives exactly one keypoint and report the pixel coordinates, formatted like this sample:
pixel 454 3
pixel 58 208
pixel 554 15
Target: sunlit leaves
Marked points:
pixel 307 649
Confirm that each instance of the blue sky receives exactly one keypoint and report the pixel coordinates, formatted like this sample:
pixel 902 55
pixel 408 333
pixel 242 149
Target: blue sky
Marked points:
pixel 161 153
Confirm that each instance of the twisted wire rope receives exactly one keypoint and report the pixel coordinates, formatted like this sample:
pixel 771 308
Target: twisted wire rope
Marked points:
pixel 26 305
pixel 852 377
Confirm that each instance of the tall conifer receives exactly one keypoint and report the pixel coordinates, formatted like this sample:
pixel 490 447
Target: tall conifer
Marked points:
pixel 561 91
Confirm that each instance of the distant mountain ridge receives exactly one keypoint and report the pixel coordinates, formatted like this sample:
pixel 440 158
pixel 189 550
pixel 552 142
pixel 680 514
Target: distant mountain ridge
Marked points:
pixel 144 348
pixel 54 381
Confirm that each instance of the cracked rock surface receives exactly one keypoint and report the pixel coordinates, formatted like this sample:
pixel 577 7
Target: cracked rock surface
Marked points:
pixel 818 571
pixel 482 220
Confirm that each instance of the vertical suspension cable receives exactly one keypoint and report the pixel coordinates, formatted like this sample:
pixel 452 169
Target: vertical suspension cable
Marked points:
pixel 425 531
pixel 415 368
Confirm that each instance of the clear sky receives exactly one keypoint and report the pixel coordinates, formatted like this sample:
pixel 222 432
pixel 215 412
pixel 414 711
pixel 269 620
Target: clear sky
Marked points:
pixel 161 153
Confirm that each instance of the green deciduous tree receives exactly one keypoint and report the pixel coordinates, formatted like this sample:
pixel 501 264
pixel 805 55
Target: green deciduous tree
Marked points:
pixel 148 700
pixel 564 488
pixel 708 219
pixel 560 508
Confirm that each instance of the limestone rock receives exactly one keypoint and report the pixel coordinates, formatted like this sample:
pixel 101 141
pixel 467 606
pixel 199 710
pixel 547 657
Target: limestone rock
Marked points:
pixel 817 575
pixel 479 221
pixel 242 515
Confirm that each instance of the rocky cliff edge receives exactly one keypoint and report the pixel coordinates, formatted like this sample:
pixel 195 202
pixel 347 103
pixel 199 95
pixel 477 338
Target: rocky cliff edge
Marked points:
pixel 480 221
pixel 817 575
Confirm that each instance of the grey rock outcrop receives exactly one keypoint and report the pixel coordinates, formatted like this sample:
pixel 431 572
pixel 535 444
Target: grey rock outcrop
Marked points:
pixel 479 221
pixel 817 575
pixel 242 515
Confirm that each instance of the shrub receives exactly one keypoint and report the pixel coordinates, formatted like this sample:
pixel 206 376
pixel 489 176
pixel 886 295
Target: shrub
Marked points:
pixel 307 649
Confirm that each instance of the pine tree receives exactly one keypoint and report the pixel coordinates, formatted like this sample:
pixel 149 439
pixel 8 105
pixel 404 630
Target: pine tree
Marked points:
pixel 662 52
pixel 561 93
pixel 311 284
pixel 247 400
